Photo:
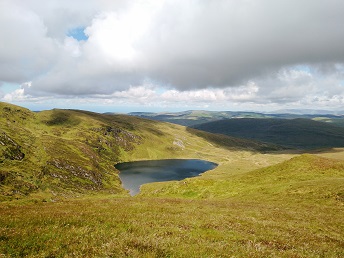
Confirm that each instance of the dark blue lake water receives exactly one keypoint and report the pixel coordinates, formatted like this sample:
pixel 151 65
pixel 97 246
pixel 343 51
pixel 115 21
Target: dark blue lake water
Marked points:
pixel 134 174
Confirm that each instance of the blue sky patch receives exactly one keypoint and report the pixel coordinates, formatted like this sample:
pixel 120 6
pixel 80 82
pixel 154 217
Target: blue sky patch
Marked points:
pixel 9 87
pixel 78 33
pixel 304 68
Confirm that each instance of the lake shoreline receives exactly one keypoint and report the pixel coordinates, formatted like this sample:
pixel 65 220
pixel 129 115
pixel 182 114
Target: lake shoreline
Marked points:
pixel 136 173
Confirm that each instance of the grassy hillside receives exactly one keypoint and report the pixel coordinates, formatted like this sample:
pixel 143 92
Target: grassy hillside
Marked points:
pixel 295 133
pixel 292 209
pixel 65 153
pixel 254 204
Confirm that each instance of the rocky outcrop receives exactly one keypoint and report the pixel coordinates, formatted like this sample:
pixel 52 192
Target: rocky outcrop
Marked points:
pixel 75 171
pixel 11 150
pixel 118 137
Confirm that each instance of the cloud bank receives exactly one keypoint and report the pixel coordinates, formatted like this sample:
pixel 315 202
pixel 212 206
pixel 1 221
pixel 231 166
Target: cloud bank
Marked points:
pixel 252 51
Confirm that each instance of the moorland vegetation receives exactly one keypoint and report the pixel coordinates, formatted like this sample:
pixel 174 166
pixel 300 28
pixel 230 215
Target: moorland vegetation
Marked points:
pixel 60 194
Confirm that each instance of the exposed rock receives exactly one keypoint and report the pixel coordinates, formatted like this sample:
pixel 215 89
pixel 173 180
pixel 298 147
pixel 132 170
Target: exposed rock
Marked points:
pixel 179 143
pixel 76 171
pixel 118 137
pixel 12 150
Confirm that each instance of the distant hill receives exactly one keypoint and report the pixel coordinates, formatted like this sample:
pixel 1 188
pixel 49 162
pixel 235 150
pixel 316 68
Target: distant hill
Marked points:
pixel 296 133
pixel 71 152
pixel 196 117
pixel 309 112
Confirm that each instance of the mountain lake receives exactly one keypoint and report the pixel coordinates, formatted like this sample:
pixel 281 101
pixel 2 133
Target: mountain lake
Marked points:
pixel 134 174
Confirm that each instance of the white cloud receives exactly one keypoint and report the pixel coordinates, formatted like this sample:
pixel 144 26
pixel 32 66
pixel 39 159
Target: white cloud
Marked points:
pixel 25 51
pixel 257 52
pixel 72 46
pixel 19 94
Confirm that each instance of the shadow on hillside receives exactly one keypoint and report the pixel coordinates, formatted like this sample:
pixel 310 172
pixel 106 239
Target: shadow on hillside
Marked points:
pixel 234 143
pixel 62 117
pixel 326 150
pixel 303 134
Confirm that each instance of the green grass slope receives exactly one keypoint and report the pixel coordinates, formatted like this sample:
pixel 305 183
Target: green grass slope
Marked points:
pixel 65 153
pixel 291 209
pixel 156 227
pixel 295 133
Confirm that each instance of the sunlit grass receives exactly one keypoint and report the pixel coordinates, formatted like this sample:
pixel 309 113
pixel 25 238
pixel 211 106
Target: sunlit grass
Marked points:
pixel 254 204
pixel 137 227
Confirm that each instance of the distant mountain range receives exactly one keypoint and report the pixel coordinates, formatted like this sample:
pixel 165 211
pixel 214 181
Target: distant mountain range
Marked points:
pixel 309 112
pixel 301 131
pixel 196 117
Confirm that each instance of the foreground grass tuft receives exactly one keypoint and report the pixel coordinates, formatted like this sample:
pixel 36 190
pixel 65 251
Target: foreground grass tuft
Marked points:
pixel 146 227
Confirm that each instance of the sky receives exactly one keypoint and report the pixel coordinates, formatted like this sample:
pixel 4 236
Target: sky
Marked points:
pixel 172 55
